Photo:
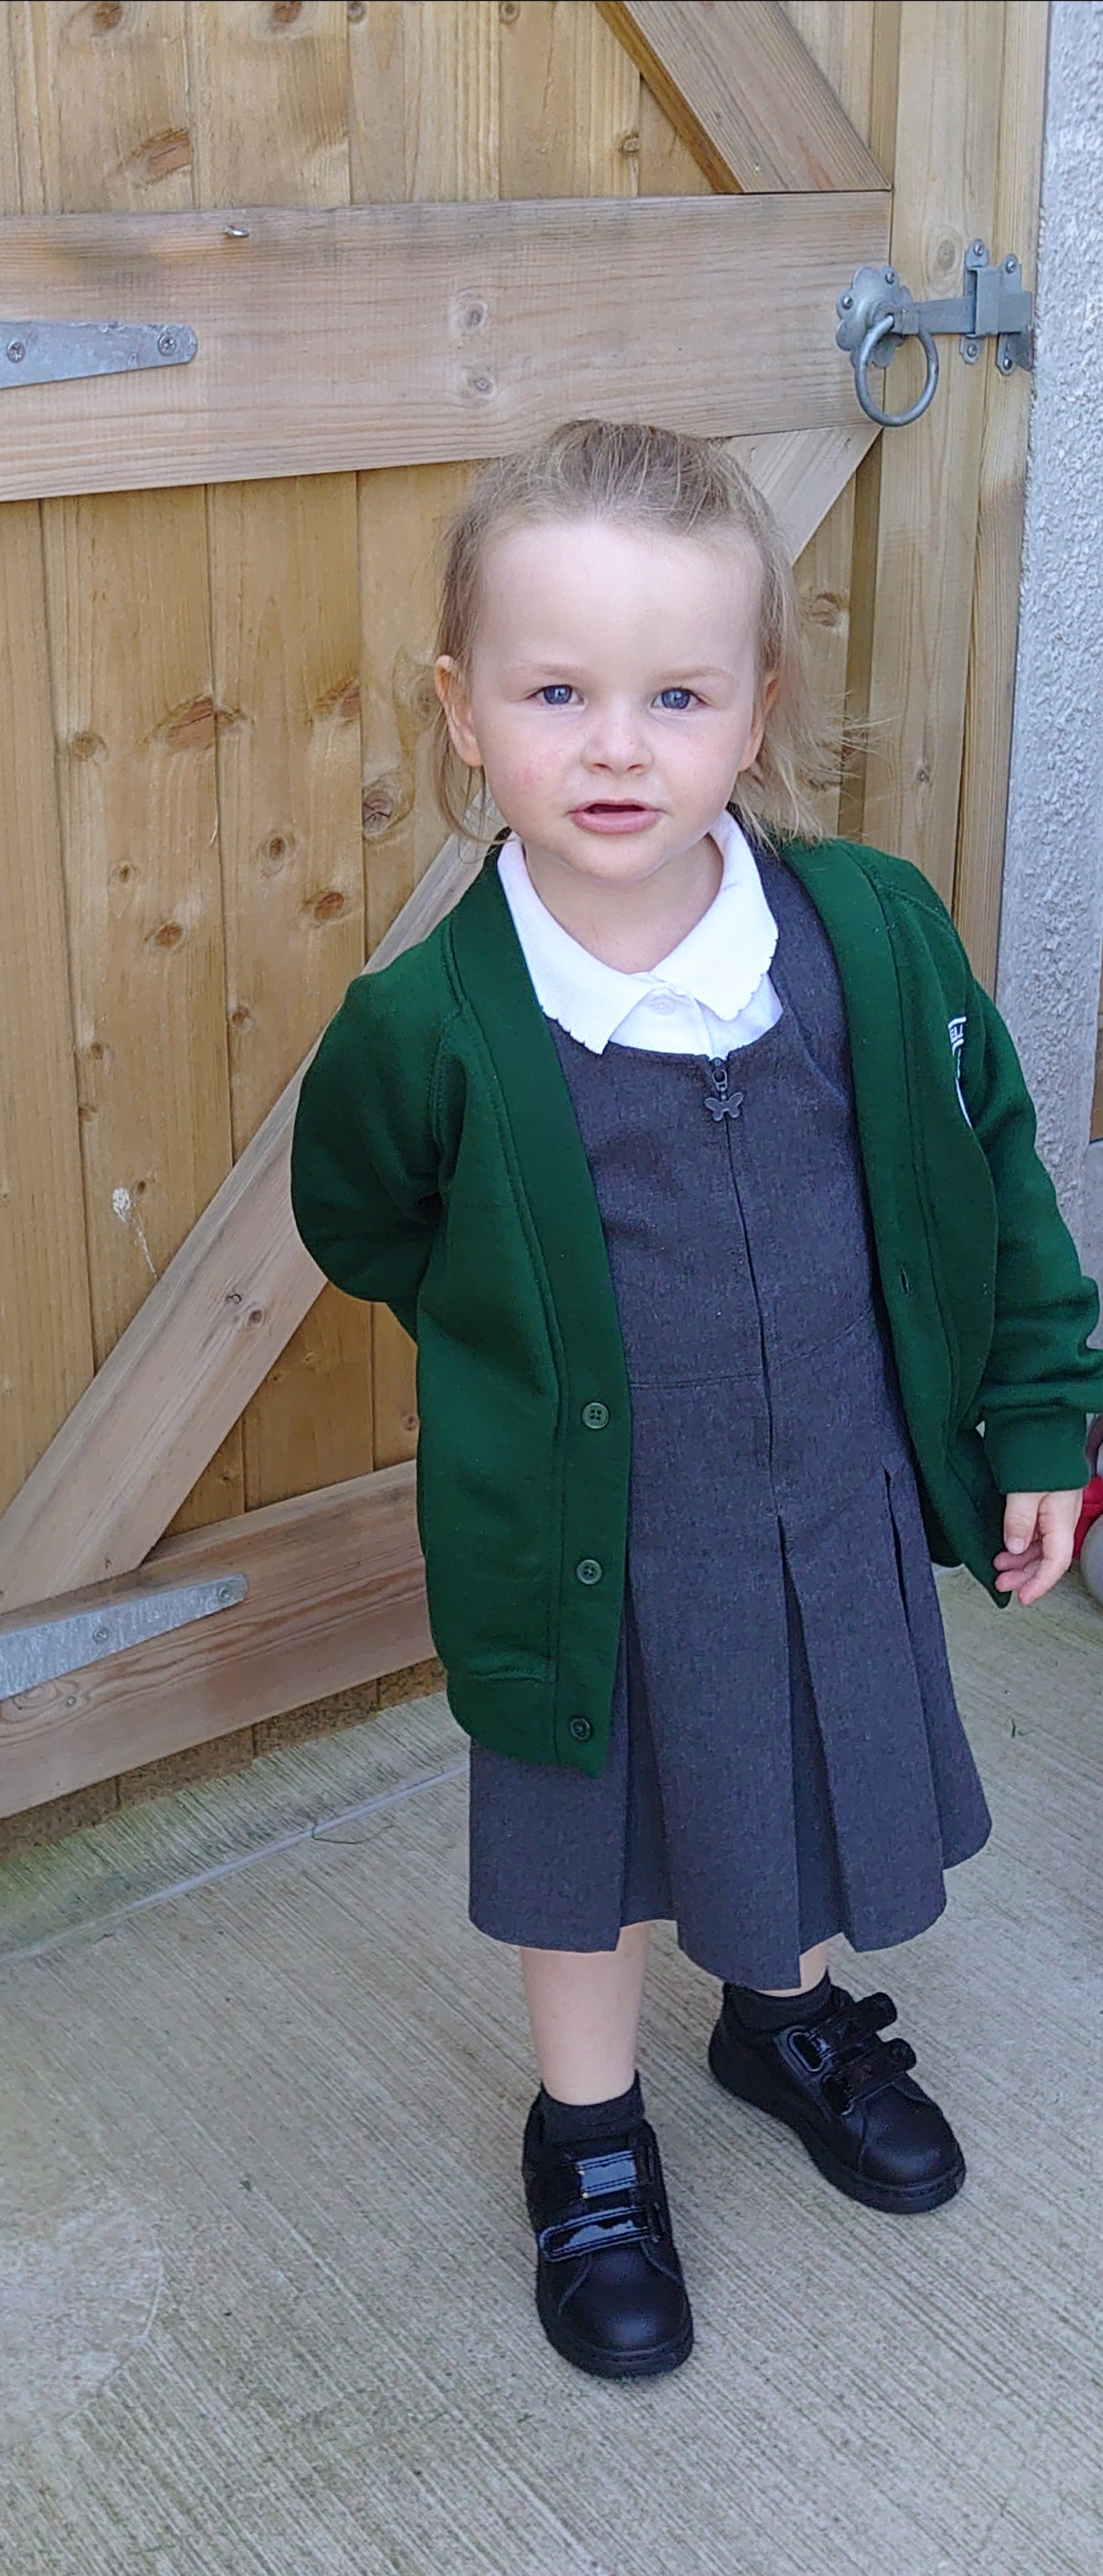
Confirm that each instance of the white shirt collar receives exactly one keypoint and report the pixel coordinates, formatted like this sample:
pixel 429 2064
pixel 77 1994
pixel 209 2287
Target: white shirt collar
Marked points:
pixel 720 963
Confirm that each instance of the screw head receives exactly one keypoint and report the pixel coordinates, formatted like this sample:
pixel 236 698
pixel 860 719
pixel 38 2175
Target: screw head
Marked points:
pixel 167 344
pixel 16 349
pixel 100 1636
pixel 1011 264
pixel 978 250
pixel 1005 364
pixel 846 303
pixel 225 1593
pixel 890 277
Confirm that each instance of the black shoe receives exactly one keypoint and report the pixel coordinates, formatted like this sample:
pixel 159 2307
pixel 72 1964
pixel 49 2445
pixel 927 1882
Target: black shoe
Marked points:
pixel 609 2287
pixel 850 2098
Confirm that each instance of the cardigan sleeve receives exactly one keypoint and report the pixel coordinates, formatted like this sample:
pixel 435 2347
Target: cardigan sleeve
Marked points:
pixel 1041 1380
pixel 364 1164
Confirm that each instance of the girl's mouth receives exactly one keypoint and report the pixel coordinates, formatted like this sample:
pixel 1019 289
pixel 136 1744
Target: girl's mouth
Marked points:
pixel 607 817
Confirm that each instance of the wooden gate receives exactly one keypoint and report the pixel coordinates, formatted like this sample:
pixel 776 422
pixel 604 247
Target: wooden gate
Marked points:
pixel 407 233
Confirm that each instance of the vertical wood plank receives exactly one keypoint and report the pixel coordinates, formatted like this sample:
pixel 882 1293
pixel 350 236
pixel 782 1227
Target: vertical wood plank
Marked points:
pixel 424 123
pixel 45 1319
pixel 12 45
pixel 666 167
pixel 950 69
pixel 570 104
pixel 270 126
pixel 839 36
pixel 129 633
pixel 1002 497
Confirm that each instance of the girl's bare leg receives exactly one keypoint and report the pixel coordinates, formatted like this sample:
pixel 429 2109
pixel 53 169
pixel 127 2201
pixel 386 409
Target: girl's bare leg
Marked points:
pixel 813 1966
pixel 584 2007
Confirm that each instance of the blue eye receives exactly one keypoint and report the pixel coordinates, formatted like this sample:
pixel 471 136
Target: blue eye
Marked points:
pixel 557 694
pixel 676 699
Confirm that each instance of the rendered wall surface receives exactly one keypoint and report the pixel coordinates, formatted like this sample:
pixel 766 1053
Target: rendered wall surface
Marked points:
pixel 1052 921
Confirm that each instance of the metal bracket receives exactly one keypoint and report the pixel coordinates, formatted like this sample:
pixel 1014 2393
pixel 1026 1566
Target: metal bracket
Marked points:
pixel 41 1651
pixel 50 353
pixel 877 313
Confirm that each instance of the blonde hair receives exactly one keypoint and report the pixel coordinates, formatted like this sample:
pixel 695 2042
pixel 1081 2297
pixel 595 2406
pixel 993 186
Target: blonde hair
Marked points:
pixel 657 479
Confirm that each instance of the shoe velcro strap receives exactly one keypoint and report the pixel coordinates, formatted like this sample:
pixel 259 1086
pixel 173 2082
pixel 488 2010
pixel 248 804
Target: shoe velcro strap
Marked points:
pixel 860 2077
pixel 593 2231
pixel 597 2175
pixel 616 2206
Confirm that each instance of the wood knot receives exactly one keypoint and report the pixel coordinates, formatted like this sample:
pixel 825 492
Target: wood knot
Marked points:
pixel 630 145
pixel 87 746
pixel 241 1017
pixel 386 801
pixel 285 12
pixel 826 608
pixel 509 11
pixel 169 935
pixel 106 15
pixel 357 9
pixel 190 727
pixel 328 907
pixel 162 153
pixel 341 702
pixel 278 847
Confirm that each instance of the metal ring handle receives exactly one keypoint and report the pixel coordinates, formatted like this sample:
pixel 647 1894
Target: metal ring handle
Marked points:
pixel 883 330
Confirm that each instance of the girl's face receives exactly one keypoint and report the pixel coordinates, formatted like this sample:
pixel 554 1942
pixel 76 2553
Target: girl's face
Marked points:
pixel 612 695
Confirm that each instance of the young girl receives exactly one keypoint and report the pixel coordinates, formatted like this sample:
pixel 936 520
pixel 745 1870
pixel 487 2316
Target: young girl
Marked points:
pixel 703 1172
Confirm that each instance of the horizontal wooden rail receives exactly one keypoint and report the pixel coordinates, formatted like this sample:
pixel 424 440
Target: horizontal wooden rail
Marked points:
pixel 217 1320
pixel 336 1596
pixel 394 334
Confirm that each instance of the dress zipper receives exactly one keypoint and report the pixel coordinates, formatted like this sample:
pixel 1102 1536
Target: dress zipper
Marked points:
pixel 720 1102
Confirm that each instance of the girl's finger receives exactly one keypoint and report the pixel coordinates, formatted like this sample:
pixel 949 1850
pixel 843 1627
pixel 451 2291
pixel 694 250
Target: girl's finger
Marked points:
pixel 1005 1563
pixel 1020 1522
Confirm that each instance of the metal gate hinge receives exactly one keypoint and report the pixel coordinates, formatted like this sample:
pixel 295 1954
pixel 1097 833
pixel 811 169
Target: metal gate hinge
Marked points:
pixel 877 313
pixel 42 1649
pixel 50 353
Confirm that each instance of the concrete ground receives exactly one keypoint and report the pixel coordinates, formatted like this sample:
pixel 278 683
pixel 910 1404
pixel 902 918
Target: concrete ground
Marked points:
pixel 265 2278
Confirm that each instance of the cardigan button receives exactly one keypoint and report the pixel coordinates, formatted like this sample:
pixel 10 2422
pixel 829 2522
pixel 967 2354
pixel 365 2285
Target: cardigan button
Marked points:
pixel 588 1570
pixel 595 1416
pixel 580 1728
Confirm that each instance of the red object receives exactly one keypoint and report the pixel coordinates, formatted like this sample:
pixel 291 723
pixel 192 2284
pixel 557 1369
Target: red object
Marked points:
pixel 1091 1510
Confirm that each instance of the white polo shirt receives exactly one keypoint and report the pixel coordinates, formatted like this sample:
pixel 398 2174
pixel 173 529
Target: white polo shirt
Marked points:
pixel 711 994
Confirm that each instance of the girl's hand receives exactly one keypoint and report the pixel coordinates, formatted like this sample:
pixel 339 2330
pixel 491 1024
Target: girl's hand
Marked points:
pixel 1038 1531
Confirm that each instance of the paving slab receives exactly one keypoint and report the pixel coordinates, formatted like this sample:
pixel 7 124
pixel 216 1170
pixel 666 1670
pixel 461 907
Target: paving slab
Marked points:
pixel 265 2277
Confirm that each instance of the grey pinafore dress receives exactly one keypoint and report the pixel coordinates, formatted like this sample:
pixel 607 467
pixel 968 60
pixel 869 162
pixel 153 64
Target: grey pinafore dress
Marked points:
pixel 787 1760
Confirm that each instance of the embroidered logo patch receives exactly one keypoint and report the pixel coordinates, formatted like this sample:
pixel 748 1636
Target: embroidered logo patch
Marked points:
pixel 956 1030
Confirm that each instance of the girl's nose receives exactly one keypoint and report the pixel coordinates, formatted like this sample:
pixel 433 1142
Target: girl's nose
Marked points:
pixel 615 741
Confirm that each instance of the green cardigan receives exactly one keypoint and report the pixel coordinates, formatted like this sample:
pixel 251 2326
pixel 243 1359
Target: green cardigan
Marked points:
pixel 437 1166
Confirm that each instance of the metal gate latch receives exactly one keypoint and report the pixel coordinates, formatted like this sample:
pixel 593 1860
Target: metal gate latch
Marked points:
pixel 49 353
pixel 877 313
pixel 41 1650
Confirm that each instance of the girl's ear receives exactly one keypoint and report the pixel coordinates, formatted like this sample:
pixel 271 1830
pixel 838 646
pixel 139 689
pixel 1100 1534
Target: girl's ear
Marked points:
pixel 451 688
pixel 770 687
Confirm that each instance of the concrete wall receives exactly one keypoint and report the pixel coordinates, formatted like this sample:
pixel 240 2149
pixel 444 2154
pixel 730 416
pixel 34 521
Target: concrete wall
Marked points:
pixel 1051 937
